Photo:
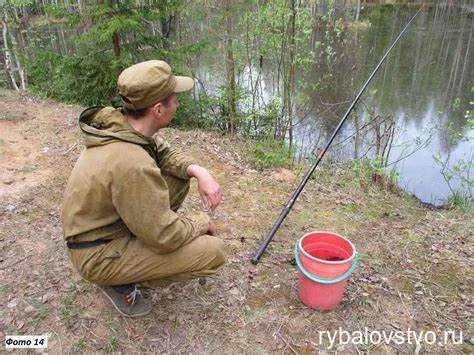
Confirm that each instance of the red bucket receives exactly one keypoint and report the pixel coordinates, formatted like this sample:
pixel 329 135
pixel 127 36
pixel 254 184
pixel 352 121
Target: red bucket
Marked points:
pixel 325 261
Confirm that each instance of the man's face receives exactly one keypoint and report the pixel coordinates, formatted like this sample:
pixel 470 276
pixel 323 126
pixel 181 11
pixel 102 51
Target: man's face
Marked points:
pixel 166 112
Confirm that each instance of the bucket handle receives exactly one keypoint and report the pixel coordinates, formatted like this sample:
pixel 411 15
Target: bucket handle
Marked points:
pixel 321 280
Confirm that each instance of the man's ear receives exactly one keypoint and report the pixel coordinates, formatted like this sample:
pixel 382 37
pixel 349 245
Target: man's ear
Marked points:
pixel 157 108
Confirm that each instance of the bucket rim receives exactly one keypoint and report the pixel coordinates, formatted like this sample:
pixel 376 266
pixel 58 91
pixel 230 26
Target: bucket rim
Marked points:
pixel 300 247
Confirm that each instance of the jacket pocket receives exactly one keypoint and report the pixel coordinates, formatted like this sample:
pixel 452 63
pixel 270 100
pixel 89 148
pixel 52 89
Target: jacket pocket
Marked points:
pixel 115 248
pixel 96 264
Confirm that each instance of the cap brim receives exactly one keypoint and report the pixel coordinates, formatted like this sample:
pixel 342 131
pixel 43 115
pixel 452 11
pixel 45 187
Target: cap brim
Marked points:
pixel 183 83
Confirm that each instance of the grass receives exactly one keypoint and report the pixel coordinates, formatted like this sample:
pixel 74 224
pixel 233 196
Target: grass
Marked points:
pixel 251 315
pixel 67 309
pixel 8 94
pixel 460 201
pixel 79 346
pixel 41 311
pixel 269 154
pixel 112 344
pixel 4 289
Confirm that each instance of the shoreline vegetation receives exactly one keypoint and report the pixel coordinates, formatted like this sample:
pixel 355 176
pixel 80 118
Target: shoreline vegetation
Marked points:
pixel 273 156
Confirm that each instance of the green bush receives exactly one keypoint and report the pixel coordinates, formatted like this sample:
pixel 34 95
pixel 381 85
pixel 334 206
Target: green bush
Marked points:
pixel 87 80
pixel 270 153
pixel 371 171
pixel 3 79
pixel 258 124
pixel 200 113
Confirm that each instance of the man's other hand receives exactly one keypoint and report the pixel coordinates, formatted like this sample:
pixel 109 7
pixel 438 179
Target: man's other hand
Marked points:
pixel 212 229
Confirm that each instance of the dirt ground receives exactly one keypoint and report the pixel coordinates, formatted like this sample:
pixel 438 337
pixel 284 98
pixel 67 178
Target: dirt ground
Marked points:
pixel 415 272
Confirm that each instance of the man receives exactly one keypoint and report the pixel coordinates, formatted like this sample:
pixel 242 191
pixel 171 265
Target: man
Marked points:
pixel 119 211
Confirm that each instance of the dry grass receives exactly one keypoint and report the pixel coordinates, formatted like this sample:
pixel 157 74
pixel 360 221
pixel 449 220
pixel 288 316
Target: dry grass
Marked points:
pixel 416 268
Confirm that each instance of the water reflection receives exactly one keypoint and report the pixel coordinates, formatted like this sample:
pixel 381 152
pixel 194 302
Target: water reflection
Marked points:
pixel 426 87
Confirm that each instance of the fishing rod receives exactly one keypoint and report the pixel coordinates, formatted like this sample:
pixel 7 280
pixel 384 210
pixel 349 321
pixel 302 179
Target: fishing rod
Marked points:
pixel 292 200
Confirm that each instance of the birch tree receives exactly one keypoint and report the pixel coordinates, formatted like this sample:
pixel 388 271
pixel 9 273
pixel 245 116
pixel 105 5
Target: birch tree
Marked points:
pixel 12 63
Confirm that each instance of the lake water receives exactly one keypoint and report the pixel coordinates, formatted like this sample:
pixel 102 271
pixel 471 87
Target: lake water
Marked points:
pixel 427 87
pixel 423 96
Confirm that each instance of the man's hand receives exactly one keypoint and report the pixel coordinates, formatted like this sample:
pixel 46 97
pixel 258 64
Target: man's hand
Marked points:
pixel 208 187
pixel 212 229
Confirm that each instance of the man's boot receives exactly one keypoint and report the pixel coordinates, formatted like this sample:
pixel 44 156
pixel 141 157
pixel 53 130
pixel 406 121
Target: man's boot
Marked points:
pixel 127 299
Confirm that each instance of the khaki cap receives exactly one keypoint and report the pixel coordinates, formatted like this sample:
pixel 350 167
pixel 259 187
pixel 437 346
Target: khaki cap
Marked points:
pixel 146 83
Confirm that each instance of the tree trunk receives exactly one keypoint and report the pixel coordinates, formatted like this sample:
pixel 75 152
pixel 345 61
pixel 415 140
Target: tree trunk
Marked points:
pixel 356 137
pixel 9 68
pixel 290 79
pixel 230 70
pixel 18 68
pixel 116 40
pixel 79 6
pixel 358 10
pixel 116 35
pixel 466 59
pixel 168 26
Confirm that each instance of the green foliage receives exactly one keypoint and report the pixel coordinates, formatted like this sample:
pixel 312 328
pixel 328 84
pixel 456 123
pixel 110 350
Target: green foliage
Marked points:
pixel 460 172
pixel 263 121
pixel 112 344
pixel 339 27
pixel 206 112
pixel 469 115
pixel 74 56
pixel 79 346
pixel 20 3
pixel 193 114
pixel 458 200
pixel 3 79
pixel 88 80
pixel 270 153
pixel 55 11
pixel 456 104
pixel 86 73
pixel 369 171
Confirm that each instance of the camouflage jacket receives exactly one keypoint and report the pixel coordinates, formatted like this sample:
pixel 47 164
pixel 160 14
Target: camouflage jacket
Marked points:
pixel 116 187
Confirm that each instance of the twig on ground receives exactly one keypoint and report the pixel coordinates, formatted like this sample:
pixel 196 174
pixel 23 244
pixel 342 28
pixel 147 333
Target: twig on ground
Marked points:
pixel 59 338
pixel 287 344
pixel 69 149
pixel 90 331
pixel 401 299
pixel 276 332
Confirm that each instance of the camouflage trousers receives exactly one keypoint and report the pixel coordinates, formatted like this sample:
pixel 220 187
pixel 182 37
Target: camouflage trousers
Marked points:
pixel 127 260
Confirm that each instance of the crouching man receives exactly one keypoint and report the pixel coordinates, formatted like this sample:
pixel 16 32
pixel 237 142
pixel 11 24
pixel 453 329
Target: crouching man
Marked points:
pixel 120 203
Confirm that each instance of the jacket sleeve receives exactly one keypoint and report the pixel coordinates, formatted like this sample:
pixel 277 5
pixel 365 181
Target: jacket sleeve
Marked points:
pixel 141 198
pixel 171 161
